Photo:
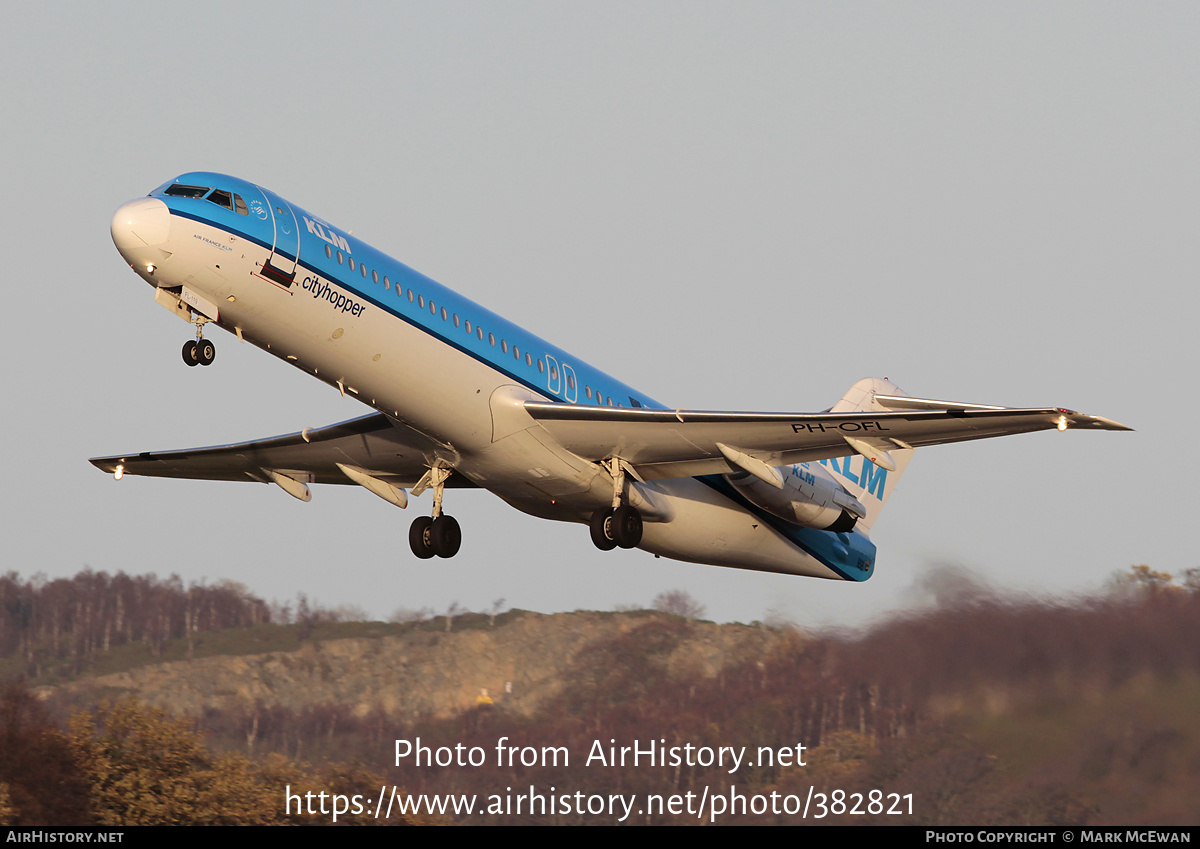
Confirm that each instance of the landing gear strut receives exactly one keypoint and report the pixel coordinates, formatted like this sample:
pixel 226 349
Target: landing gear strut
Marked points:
pixel 200 352
pixel 620 525
pixel 438 535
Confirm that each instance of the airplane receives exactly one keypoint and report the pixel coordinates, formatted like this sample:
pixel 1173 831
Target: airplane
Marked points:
pixel 463 398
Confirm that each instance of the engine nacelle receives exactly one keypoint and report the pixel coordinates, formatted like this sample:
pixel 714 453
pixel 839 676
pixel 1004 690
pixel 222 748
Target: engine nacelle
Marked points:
pixel 810 497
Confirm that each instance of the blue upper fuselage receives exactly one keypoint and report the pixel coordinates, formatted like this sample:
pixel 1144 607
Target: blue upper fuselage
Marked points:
pixel 314 248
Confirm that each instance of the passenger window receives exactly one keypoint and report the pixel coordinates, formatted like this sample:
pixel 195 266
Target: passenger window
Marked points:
pixel 420 299
pixel 351 263
pixel 587 390
pixel 504 346
pixel 328 252
pixel 466 324
pixel 387 284
pixel 553 372
pixel 571 382
pixel 340 257
pixel 364 273
pixel 492 339
pixel 479 330
pixel 456 322
pixel 542 369
pixel 444 315
pixel 432 308
pixel 516 353
pixel 528 359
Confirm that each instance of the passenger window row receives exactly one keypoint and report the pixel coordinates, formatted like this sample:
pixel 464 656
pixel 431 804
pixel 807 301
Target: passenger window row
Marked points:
pixel 477 330
pixel 234 202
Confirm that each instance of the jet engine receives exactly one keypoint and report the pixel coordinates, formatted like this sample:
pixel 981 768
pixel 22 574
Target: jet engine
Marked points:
pixel 809 497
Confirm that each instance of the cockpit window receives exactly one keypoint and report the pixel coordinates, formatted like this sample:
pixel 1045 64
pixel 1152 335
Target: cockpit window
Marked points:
pixel 180 190
pixel 240 205
pixel 222 198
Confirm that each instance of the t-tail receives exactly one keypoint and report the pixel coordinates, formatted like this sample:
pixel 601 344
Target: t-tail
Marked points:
pixel 873 466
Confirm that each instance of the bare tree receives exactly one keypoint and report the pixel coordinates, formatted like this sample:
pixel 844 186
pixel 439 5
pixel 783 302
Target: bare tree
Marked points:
pixel 404 615
pixel 496 609
pixel 680 603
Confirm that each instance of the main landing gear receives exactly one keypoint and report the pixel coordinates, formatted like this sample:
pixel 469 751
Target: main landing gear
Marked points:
pixel 437 535
pixel 429 536
pixel 200 352
pixel 612 528
pixel 620 525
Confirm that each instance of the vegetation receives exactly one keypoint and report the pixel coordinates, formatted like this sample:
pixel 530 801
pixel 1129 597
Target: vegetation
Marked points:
pixel 987 710
pixel 97 624
pixel 129 764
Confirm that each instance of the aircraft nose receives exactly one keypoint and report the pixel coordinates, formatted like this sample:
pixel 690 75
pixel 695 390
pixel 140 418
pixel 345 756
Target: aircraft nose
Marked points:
pixel 139 227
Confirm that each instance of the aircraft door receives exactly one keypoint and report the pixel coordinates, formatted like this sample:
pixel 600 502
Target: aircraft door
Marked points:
pixel 285 248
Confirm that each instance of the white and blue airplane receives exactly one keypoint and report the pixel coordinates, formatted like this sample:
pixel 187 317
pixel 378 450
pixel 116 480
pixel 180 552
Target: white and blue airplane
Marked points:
pixel 464 398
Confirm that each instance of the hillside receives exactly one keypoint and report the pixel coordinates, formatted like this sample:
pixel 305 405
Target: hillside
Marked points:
pixel 984 711
pixel 521 661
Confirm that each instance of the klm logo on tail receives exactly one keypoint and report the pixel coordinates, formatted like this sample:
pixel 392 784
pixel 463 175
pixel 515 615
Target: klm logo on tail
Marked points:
pixel 870 477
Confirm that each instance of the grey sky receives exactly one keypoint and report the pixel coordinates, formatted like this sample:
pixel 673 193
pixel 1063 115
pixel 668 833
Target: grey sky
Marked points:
pixel 726 205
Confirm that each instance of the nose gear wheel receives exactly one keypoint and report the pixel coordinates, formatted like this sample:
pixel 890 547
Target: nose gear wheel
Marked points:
pixel 200 351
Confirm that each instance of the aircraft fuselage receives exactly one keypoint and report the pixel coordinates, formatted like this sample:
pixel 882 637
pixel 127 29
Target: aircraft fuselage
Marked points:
pixel 313 295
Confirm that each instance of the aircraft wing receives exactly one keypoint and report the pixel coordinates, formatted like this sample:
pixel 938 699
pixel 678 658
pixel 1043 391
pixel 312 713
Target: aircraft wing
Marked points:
pixel 373 444
pixel 684 443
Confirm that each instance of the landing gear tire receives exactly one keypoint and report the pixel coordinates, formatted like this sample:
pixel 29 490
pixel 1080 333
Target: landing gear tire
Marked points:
pixel 627 526
pixel 601 527
pixel 445 536
pixel 420 537
pixel 189 353
pixel 206 352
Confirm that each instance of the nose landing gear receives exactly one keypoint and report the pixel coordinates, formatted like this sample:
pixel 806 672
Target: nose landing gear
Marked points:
pixel 200 352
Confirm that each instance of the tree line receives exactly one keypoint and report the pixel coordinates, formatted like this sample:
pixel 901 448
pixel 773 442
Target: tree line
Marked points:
pixel 44 620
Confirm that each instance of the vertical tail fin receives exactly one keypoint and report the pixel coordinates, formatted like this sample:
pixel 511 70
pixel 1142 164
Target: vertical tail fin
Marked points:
pixel 870 482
